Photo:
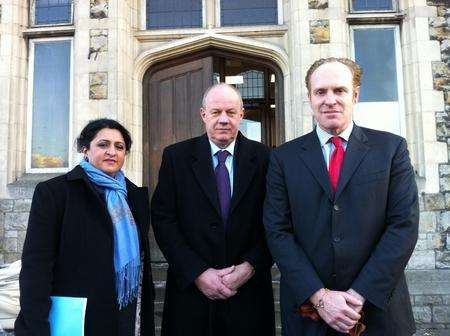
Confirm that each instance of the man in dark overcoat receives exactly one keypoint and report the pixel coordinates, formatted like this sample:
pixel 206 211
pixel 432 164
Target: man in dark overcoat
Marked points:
pixel 341 217
pixel 207 219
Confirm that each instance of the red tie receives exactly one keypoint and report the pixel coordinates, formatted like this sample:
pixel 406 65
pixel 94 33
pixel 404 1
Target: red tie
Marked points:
pixel 336 161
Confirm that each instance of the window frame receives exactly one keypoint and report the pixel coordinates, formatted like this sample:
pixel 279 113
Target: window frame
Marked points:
pixel 395 8
pixel 399 68
pixel 31 48
pixel 32 16
pixel 279 15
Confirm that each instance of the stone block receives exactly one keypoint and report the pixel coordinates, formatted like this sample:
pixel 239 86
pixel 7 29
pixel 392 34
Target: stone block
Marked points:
pixel 421 260
pixel 317 4
pixel 444 183
pixel 10 245
pixel 441 314
pixel 10 257
pixel 22 205
pixel 16 221
pixel 441 131
pixel 98 85
pixel 443 259
pixel 427 222
pixel 441 76
pixel 319 31
pixel 21 239
pixel 424 300
pixel 6 205
pixel 422 314
pixel 444 221
pixel 99 9
pixel 445 50
pixel 98 42
pixel 11 234
pixel 421 245
pixel 438 28
pixel 434 201
pixel 435 241
pixel 446 300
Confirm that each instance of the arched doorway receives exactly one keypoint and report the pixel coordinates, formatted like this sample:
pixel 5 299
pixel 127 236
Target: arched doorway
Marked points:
pixel 172 93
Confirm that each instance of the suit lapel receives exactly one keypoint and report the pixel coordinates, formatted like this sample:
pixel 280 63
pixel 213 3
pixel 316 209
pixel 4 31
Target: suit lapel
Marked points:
pixel 311 154
pixel 357 149
pixel 245 168
pixel 203 171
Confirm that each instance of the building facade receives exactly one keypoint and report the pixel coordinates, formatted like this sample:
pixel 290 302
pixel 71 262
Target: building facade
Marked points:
pixel 147 62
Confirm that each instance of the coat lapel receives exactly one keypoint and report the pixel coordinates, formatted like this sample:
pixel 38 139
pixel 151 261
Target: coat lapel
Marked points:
pixel 245 168
pixel 203 170
pixel 357 149
pixel 312 156
pixel 78 174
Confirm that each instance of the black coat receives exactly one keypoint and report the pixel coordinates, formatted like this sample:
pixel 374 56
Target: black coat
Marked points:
pixel 361 238
pixel 68 251
pixel 191 234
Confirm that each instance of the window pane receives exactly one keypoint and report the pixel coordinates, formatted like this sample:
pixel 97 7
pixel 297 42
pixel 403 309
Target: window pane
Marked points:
pixel 365 5
pixel 248 12
pixel 375 53
pixel 53 11
pixel 51 105
pixel 253 86
pixel 174 13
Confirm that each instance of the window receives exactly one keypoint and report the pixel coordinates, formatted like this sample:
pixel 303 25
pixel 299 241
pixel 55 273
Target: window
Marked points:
pixel 248 12
pixel 377 50
pixel 174 13
pixel 49 104
pixel 372 5
pixel 51 12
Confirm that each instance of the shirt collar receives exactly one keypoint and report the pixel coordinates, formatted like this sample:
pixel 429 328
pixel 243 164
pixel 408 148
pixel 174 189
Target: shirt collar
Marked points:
pixel 215 148
pixel 324 136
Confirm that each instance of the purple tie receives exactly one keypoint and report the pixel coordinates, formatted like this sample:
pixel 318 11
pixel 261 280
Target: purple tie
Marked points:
pixel 223 184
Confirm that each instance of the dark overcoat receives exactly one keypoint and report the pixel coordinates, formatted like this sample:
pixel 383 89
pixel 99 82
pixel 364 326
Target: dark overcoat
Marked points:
pixel 191 234
pixel 68 251
pixel 362 237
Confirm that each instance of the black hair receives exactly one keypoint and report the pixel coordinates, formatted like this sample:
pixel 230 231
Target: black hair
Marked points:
pixel 94 126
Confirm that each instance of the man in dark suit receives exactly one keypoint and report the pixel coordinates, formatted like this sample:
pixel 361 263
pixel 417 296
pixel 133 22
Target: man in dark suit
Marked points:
pixel 341 217
pixel 207 218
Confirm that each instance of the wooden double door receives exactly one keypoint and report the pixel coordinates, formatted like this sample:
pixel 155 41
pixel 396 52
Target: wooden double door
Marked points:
pixel 173 91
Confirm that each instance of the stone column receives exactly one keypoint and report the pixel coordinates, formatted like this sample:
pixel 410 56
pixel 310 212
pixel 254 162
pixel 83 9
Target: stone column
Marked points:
pixel 13 88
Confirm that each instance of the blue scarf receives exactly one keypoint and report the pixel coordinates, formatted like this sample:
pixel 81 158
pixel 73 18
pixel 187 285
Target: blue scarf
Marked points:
pixel 127 260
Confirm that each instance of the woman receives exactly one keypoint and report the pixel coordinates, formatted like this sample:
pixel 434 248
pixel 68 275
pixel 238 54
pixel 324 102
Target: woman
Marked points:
pixel 88 237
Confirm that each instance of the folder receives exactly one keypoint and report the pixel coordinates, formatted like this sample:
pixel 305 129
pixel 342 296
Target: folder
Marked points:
pixel 67 316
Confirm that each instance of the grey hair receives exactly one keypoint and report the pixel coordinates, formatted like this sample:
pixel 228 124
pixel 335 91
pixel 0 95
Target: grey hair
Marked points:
pixel 208 90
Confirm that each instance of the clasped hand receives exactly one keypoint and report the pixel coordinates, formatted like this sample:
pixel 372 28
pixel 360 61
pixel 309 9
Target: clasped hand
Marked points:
pixel 341 310
pixel 223 283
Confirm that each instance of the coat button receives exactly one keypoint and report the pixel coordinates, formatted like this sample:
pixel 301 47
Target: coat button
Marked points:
pixel 333 275
pixel 337 239
pixel 336 207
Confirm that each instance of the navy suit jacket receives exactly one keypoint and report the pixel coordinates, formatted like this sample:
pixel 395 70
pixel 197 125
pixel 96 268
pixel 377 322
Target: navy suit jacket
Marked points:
pixel 362 237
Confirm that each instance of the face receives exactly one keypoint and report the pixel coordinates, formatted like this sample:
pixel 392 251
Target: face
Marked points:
pixel 332 96
pixel 107 151
pixel 222 115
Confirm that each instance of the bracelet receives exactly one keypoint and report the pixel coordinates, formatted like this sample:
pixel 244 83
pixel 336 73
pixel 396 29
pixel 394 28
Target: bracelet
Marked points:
pixel 320 304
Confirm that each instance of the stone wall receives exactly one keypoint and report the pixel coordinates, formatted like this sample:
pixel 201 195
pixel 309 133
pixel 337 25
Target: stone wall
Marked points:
pixel 430 280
